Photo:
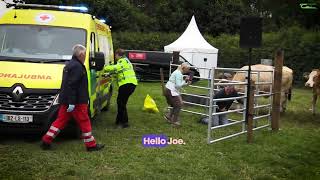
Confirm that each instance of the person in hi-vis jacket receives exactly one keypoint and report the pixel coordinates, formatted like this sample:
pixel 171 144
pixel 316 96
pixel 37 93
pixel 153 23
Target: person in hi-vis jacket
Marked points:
pixel 127 82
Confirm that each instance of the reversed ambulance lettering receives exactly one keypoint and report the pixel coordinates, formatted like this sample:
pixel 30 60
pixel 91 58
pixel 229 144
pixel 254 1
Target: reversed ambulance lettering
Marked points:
pixel 24 76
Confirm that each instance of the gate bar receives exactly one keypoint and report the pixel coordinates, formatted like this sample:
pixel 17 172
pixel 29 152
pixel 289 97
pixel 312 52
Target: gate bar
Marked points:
pixel 225 125
pixel 195 104
pixel 199 87
pixel 230 111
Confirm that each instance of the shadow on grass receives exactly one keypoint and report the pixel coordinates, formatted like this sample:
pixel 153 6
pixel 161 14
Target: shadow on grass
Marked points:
pixel 301 117
pixel 10 138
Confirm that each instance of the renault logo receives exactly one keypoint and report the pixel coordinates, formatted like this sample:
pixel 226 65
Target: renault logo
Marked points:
pixel 17 93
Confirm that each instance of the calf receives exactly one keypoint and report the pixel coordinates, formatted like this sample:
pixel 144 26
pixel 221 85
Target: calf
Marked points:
pixel 314 83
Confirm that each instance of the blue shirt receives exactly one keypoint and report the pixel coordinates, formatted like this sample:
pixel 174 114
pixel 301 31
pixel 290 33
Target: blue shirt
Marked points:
pixel 175 83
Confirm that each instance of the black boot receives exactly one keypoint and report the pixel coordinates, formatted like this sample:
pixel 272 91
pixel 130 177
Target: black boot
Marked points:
pixel 98 147
pixel 45 146
pixel 122 126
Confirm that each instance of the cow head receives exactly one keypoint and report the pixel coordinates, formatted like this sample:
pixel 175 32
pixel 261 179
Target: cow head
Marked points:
pixel 313 78
pixel 306 75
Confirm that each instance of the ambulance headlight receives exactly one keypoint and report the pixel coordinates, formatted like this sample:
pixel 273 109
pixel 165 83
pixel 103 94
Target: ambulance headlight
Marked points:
pixel 56 100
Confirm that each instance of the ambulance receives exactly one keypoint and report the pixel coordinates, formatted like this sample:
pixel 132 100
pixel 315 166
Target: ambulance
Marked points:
pixel 35 44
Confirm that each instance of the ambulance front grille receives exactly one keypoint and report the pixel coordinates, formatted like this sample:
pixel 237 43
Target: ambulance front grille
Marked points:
pixel 30 103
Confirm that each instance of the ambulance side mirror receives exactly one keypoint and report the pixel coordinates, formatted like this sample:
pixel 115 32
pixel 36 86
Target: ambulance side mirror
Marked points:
pixel 97 62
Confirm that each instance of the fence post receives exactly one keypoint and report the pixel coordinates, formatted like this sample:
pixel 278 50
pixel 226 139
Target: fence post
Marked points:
pixel 275 117
pixel 175 57
pixel 162 81
pixel 211 108
pixel 250 114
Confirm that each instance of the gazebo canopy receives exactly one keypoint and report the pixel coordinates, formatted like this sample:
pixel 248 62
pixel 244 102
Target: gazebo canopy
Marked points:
pixel 191 41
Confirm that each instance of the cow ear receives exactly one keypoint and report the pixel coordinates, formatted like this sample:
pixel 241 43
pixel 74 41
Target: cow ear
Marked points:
pixel 306 75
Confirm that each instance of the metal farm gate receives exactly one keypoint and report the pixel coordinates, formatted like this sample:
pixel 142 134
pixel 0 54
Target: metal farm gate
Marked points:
pixel 213 84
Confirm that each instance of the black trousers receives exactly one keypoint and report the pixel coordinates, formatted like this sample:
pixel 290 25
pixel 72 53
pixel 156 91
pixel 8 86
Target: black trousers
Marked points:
pixel 123 95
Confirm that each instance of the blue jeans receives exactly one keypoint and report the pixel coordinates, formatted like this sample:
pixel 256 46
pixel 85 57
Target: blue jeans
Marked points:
pixel 217 120
pixel 220 119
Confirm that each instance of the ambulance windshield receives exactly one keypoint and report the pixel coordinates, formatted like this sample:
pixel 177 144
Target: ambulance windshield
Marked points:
pixel 39 42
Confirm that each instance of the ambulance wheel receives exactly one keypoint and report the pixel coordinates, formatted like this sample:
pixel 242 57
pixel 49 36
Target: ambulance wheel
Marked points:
pixel 107 107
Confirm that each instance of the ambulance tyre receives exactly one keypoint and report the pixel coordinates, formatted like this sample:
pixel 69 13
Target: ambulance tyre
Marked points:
pixel 106 108
pixel 51 117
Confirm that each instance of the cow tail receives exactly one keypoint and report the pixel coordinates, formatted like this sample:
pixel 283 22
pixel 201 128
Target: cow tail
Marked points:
pixel 290 93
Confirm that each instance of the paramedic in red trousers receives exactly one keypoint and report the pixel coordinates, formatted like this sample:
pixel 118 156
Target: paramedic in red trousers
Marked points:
pixel 127 82
pixel 73 99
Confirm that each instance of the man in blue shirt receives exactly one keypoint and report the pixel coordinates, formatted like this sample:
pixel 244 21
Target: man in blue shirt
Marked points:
pixel 226 92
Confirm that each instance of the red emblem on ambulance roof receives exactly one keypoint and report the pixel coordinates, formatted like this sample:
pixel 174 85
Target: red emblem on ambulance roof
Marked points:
pixel 44 18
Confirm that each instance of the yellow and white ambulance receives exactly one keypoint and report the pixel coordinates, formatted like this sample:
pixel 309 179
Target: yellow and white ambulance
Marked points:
pixel 35 43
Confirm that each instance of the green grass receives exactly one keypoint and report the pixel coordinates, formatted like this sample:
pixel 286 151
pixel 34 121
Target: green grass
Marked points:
pixel 291 153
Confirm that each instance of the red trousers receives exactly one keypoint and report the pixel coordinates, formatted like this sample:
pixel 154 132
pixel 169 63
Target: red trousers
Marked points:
pixel 80 114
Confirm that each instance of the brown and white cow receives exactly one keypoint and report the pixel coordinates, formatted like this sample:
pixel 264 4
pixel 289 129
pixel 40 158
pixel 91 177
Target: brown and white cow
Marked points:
pixel 286 83
pixel 314 83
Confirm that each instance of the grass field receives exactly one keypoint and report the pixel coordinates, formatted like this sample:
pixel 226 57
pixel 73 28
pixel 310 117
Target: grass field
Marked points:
pixel 291 153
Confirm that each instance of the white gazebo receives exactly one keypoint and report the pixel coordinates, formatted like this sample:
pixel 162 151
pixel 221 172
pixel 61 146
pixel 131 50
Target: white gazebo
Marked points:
pixel 3 7
pixel 194 48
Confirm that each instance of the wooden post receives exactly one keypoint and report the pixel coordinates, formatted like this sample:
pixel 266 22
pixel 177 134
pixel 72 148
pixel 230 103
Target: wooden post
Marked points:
pixel 175 57
pixel 250 114
pixel 275 116
pixel 162 81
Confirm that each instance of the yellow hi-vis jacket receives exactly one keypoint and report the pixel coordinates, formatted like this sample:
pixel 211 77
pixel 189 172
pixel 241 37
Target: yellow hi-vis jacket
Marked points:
pixel 124 72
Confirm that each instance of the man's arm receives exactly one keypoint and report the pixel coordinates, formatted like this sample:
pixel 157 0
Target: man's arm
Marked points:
pixel 219 95
pixel 239 100
pixel 74 76
pixel 228 105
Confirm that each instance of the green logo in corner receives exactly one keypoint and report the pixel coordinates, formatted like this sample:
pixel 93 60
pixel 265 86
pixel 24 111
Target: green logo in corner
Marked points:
pixel 310 5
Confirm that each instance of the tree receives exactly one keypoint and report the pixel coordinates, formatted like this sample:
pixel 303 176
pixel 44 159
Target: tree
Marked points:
pixel 213 17
pixel 281 13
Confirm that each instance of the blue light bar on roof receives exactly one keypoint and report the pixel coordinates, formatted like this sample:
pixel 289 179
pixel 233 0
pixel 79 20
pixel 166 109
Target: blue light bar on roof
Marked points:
pixel 81 8
pixel 102 20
